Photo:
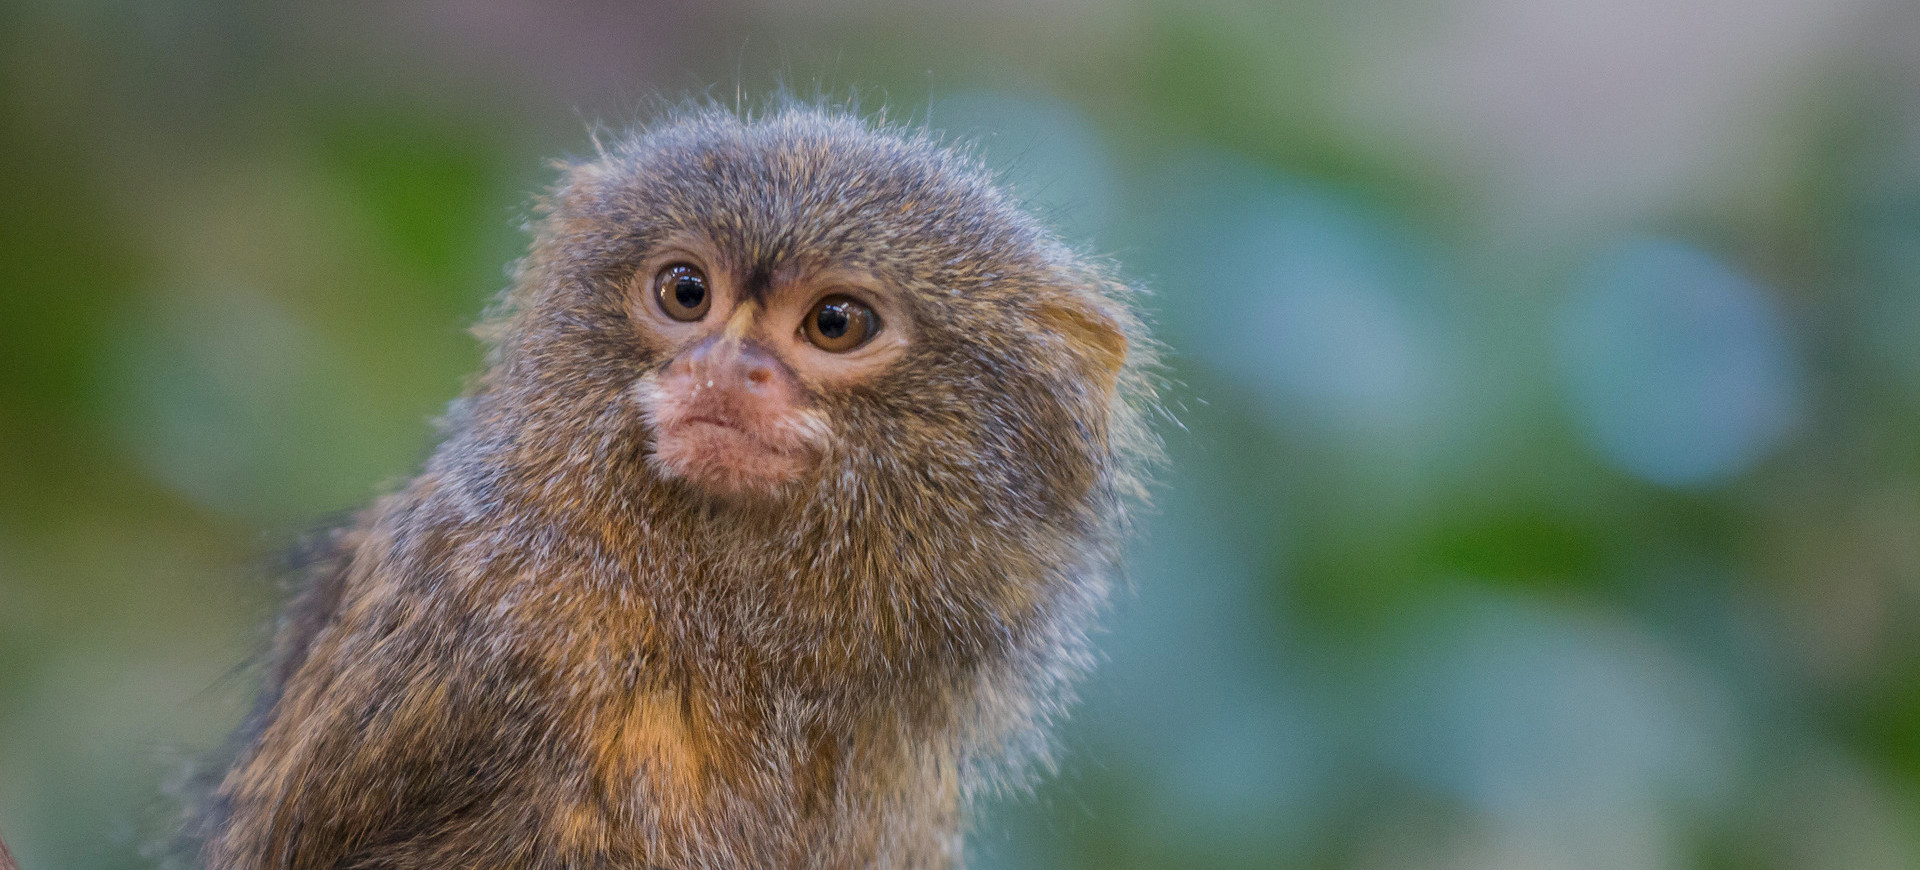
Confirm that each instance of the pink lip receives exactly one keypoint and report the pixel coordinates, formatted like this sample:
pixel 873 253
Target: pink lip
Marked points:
pixel 716 421
pixel 751 437
pixel 731 426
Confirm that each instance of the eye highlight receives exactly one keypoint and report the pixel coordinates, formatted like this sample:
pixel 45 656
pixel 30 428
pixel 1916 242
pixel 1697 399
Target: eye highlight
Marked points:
pixel 682 292
pixel 840 323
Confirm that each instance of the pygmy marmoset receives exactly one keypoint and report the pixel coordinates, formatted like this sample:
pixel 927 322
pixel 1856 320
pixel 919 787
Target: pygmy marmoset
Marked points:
pixel 768 538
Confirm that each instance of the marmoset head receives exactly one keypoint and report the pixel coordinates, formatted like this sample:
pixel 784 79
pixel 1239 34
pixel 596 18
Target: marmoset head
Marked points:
pixel 805 305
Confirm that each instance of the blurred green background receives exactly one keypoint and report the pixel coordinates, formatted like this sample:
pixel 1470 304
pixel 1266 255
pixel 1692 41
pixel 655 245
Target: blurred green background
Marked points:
pixel 1546 492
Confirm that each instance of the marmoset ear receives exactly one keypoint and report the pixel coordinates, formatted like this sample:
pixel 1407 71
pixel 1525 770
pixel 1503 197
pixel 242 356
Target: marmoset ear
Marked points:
pixel 1097 341
pixel 582 185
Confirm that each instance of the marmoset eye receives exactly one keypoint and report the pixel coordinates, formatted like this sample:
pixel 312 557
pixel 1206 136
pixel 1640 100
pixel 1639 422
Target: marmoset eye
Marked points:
pixel 682 292
pixel 840 323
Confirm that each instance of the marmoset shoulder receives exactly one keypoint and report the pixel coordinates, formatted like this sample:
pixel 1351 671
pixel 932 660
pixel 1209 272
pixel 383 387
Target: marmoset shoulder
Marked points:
pixel 769 537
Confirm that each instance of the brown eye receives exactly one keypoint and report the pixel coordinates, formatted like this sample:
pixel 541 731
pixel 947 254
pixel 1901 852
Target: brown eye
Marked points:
pixel 682 292
pixel 840 324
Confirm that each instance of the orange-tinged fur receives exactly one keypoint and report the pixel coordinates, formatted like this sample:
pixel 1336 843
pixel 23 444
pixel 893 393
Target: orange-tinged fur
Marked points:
pixel 655 743
pixel 1093 338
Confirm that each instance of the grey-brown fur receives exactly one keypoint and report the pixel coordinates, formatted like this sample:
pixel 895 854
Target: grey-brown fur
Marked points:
pixel 486 662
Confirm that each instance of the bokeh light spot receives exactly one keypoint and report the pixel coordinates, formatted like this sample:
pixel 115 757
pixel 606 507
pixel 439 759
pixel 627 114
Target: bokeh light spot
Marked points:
pixel 1677 368
pixel 1302 293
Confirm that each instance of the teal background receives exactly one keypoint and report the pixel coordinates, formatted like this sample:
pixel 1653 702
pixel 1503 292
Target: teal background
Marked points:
pixel 1545 485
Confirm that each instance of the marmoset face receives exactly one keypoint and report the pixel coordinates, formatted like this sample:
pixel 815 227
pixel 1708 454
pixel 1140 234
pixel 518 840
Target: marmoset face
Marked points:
pixel 736 409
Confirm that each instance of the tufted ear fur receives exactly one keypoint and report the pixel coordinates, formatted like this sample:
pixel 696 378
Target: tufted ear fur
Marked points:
pixel 1097 340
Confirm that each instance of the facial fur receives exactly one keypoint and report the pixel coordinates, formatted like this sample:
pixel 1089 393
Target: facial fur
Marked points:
pixel 684 587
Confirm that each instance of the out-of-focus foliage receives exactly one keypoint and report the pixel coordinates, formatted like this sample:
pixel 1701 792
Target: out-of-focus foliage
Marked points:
pixel 1546 481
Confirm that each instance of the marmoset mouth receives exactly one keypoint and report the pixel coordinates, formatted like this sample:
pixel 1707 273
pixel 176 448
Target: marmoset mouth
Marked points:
pixel 721 422
pixel 737 430
pixel 726 454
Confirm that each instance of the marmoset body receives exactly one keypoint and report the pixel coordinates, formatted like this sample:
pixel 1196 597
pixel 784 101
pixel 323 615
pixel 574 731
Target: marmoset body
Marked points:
pixel 769 536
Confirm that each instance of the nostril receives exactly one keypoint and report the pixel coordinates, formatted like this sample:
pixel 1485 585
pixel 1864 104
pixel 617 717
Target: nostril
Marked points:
pixel 759 375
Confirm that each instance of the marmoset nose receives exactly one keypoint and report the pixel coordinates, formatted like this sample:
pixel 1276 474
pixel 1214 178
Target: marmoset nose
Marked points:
pixel 728 363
